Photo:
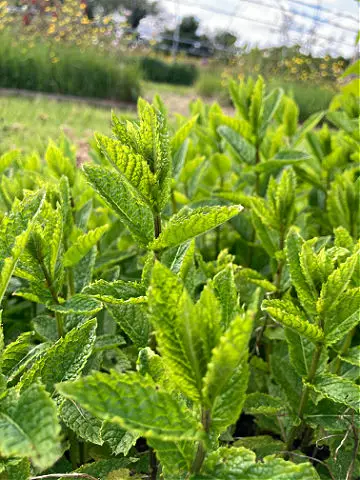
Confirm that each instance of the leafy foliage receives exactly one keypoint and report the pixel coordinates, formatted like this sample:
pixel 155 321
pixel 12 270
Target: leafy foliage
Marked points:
pixel 187 276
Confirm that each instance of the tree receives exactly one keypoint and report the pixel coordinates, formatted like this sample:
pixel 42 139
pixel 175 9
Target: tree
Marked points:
pixel 134 10
pixel 189 41
pixel 225 39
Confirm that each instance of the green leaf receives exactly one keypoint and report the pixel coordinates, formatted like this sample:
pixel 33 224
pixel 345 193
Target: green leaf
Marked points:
pixel 65 359
pixel 129 164
pixel 29 428
pixel 110 292
pixel 256 278
pixel 178 330
pixel 305 294
pixel 308 125
pixel 109 469
pixel 226 379
pixel 82 245
pixel 59 163
pixel 15 469
pixel 115 397
pixel 286 313
pixel 186 224
pixel 240 463
pixel 117 438
pixel 14 233
pixel 15 352
pixel 271 104
pixel 225 289
pixel 181 135
pixel 336 285
pixel 344 317
pixel 262 403
pixel 337 389
pixel 78 304
pixel 122 197
pixel 285 376
pixel 243 149
pixel 352 356
pixel 133 320
pixel 175 457
pixel 85 425
pixel 301 352
pixel 262 445
pixel 7 158
pixel 256 106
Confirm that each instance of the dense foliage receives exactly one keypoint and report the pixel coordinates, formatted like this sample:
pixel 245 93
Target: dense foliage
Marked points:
pixel 186 305
pixel 53 68
pixel 177 73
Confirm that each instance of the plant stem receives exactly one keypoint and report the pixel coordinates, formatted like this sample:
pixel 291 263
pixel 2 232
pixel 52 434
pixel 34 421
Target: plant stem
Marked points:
pixel 257 174
pixel 157 225
pixel 305 395
pixel 343 350
pixel 153 464
pixel 71 281
pixel 201 451
pixel 59 324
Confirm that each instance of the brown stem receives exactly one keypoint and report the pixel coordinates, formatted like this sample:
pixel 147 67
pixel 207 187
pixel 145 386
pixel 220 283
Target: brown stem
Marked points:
pixel 153 464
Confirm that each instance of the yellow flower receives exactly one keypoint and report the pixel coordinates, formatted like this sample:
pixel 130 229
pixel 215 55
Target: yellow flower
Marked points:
pixel 55 60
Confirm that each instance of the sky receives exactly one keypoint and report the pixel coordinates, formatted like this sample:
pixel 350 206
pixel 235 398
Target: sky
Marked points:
pixel 262 22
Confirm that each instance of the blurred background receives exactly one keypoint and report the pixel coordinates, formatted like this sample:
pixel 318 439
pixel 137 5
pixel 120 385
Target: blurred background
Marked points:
pixel 65 64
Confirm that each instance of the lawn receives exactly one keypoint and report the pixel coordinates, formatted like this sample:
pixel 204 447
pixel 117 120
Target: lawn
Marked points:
pixel 28 123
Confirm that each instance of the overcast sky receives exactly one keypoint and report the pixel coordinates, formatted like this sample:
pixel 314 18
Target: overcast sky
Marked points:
pixel 263 25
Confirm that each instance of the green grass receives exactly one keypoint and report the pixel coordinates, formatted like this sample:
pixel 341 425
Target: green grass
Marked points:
pixel 28 123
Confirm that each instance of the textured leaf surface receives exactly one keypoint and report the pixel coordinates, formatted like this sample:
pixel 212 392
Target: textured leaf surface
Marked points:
pixel 286 313
pixel 109 469
pixel 66 359
pixel 344 317
pixel 30 428
pixel 225 289
pixel 336 284
pixel 189 224
pixel 119 440
pixel 83 245
pixel 116 398
pixel 85 425
pixel 14 233
pixel 124 200
pixel 132 165
pixel 240 463
pixel 301 351
pixel 244 150
pixel 133 320
pixel 226 378
pixel 338 389
pixel 79 304
pixel 305 294
pixel 261 403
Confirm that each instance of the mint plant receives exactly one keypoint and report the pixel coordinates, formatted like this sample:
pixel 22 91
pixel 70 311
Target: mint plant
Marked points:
pixel 186 305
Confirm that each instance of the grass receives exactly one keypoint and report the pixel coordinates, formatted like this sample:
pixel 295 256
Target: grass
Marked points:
pixel 66 69
pixel 28 123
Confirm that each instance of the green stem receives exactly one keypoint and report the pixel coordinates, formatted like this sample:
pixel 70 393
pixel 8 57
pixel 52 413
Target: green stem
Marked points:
pixel 257 174
pixel 343 350
pixel 201 451
pixel 305 395
pixel 71 281
pixel 59 324
pixel 157 225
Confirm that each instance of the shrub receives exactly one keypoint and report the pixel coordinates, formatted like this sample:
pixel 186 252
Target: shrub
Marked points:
pixel 156 70
pixel 52 68
pixel 311 98
pixel 143 303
